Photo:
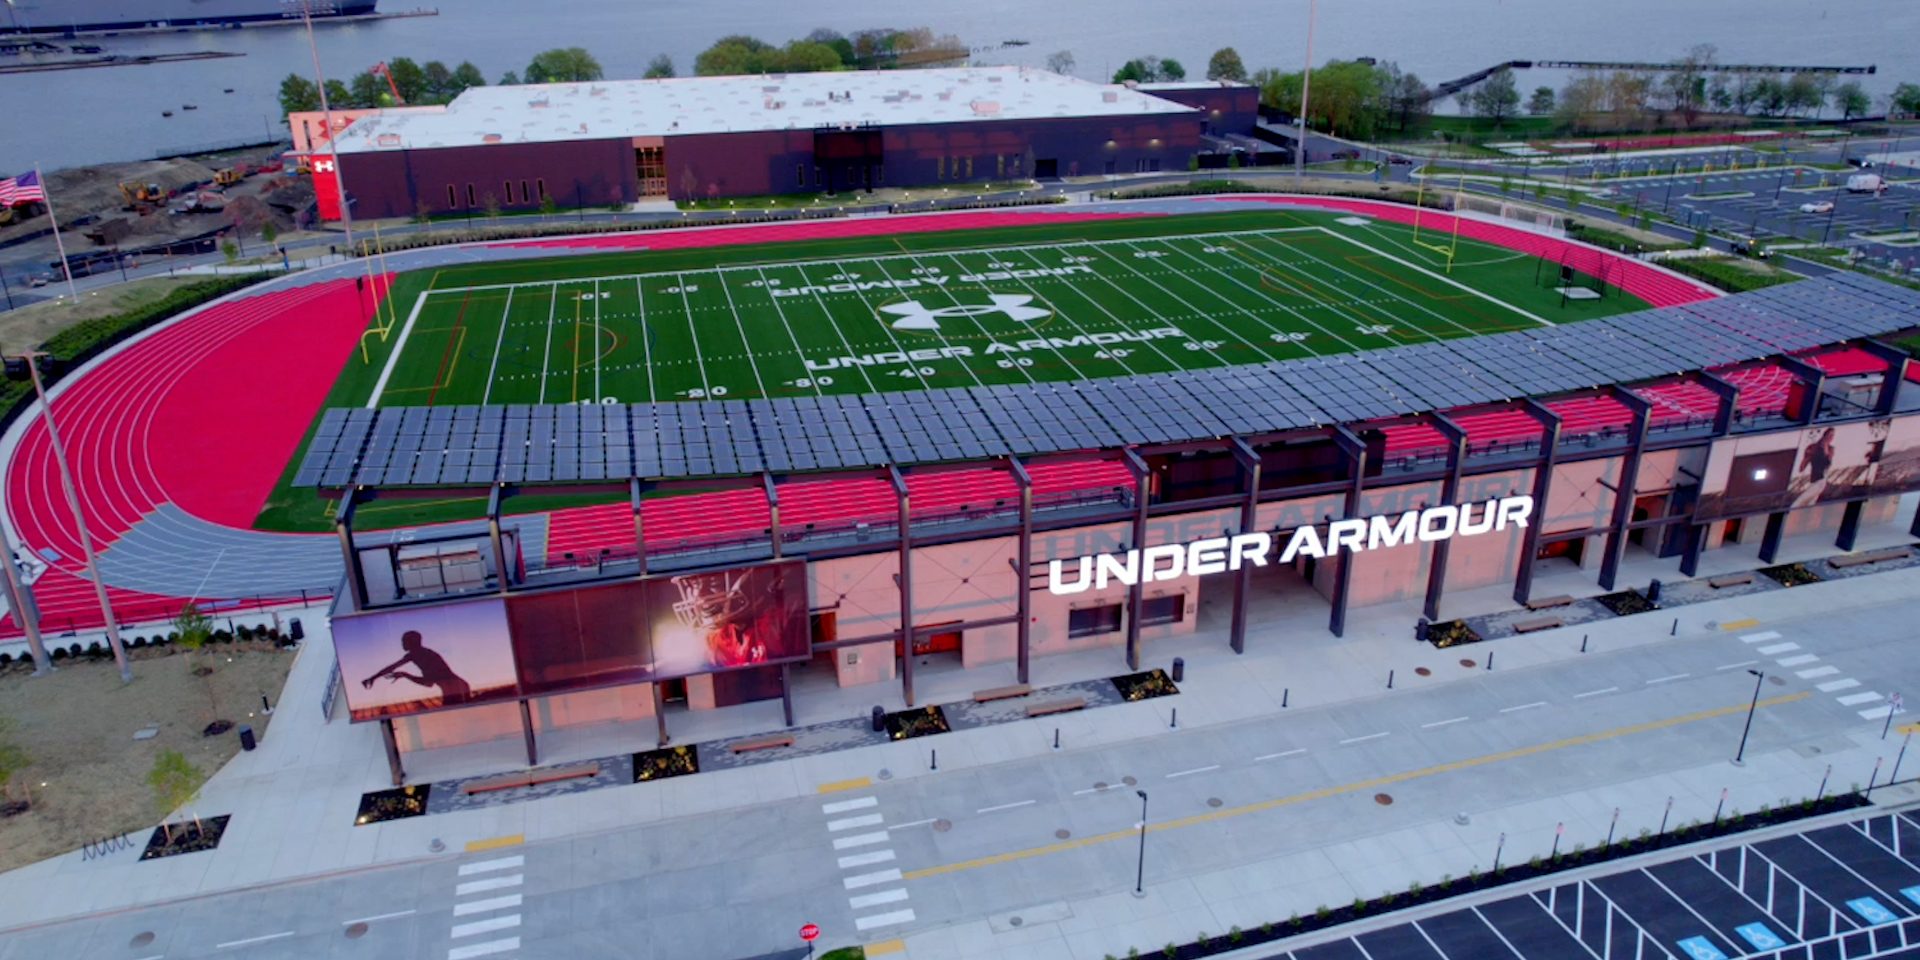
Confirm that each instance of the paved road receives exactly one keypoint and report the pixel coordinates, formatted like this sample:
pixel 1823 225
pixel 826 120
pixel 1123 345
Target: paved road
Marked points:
pixel 1294 791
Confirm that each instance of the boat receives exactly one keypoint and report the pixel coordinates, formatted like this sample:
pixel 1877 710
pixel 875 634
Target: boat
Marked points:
pixel 73 17
pixel 189 106
pixel 86 48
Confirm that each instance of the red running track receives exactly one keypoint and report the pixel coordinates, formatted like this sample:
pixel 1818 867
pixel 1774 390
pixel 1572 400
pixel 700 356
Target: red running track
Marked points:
pixel 256 368
pixel 1657 287
pixel 720 236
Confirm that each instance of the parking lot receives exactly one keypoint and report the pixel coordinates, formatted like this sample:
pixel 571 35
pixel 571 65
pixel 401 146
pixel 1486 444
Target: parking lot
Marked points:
pixel 1846 892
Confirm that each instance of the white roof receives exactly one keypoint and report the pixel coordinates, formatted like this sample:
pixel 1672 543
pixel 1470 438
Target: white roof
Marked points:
pixel 1189 85
pixel 544 113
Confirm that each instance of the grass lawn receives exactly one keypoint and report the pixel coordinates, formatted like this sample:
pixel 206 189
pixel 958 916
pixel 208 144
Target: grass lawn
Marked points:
pixel 1054 301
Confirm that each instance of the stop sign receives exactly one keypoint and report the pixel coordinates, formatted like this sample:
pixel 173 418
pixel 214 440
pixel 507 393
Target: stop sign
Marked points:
pixel 810 932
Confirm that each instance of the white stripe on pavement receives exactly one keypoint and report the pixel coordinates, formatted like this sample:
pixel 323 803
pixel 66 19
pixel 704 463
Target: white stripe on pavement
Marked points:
pixel 1370 736
pixel 1595 693
pixel 866 900
pixel 1876 713
pixel 914 823
pixel 491 883
pixel 842 806
pixel 1797 660
pixel 1284 753
pixel 1817 672
pixel 1834 686
pixel 1735 666
pixel 1855 699
pixel 883 920
pixel 487 949
pixel 1442 723
pixel 1524 706
pixel 1188 773
pixel 482 906
pixel 376 917
pixel 859 840
pixel 1668 679
pixel 865 859
pixel 488 866
pixel 1761 637
pixel 1005 806
pixel 241 943
pixel 488 925
pixel 1772 649
pixel 870 820
pixel 872 879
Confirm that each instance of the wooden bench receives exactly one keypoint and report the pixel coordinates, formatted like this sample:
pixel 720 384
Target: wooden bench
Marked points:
pixel 1548 603
pixel 1871 556
pixel 1066 705
pixel 1001 693
pixel 1730 580
pixel 531 778
pixel 773 742
pixel 1536 623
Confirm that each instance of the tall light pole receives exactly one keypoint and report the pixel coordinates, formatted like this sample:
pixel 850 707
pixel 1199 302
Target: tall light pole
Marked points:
pixel 326 118
pixel 1306 84
pixel 1740 757
pixel 31 358
pixel 25 612
pixel 1140 872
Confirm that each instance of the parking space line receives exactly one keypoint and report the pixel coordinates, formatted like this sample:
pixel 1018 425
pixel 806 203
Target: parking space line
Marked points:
pixel 1595 693
pixel 1188 773
pixel 1442 723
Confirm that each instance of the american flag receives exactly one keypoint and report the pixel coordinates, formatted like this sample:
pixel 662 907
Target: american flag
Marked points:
pixel 22 189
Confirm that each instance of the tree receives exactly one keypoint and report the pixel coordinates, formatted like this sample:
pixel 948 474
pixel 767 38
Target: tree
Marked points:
pixel 490 204
pixel 1685 84
pixel 1803 94
pixel 1407 100
pixel 1904 100
pixel 801 56
pixel 1170 69
pixel 509 79
pixel 409 79
pixel 1769 95
pixel 466 76
pixel 732 55
pixel 1851 100
pixel 298 94
pixel 367 90
pixel 176 784
pixel 1541 103
pixel 196 631
pixel 563 65
pixel 269 232
pixel 1225 64
pixel 1581 100
pixel 1496 98
pixel 439 81
pixel 659 68
pixel 1140 70
pixel 833 38
pixel 1060 61
pixel 230 251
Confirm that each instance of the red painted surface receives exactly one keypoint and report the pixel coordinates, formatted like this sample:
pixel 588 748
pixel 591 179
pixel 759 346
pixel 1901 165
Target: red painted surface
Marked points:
pixel 1847 362
pixel 1657 287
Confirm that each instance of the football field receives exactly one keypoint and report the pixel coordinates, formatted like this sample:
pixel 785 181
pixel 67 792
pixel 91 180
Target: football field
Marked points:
pixel 1174 296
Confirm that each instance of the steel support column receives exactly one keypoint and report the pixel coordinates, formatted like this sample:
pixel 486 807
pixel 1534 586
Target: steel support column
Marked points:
pixel 1812 378
pixel 1023 571
pixel 1623 493
pixel 639 529
pixel 660 713
pixel 1696 541
pixel 1849 524
pixel 905 581
pixel 526 730
pixel 773 519
pixel 1449 494
pixel 495 495
pixel 343 525
pixel 1136 593
pixel 1770 537
pixel 1356 452
pixel 1249 461
pixel 1893 382
pixel 1542 488
pixel 786 692
pixel 392 744
pixel 1729 395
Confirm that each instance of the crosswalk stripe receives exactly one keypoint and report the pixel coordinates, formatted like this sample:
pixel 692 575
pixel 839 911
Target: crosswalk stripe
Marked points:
pixel 870 820
pixel 1761 637
pixel 876 899
pixel 883 920
pixel 488 925
pixel 484 949
pixel 1798 660
pixel 865 859
pixel 1779 648
pixel 842 806
pixel 482 906
pixel 1876 713
pixel 1855 699
pixel 1827 671
pixel 1834 686
pixel 488 866
pixel 491 883
pixel 872 879
pixel 859 840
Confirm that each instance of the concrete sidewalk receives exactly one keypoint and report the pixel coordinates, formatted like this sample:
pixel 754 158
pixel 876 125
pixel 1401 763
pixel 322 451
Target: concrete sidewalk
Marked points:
pixel 294 799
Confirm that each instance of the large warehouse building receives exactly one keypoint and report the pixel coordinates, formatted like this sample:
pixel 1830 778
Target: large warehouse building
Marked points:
pixel 618 142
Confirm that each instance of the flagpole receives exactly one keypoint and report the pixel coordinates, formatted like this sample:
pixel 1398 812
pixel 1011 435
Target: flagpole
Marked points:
pixel 66 269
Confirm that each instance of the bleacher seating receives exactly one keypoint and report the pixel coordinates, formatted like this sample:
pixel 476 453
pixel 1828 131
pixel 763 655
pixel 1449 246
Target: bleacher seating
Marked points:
pixel 1679 401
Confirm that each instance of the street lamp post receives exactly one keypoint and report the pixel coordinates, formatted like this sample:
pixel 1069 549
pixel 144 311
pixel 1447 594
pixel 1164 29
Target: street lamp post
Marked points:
pixel 1140 872
pixel 25 612
pixel 79 517
pixel 1306 84
pixel 1740 757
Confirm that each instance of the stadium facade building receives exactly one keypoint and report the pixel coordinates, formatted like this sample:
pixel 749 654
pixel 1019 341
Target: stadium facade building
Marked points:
pixel 623 141
pixel 869 536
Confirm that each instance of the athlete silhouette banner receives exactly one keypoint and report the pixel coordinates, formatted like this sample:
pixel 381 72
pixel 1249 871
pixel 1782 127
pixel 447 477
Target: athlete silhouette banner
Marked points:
pixel 427 658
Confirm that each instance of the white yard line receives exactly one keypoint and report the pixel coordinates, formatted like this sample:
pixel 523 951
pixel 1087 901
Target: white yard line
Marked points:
pixel 646 339
pixel 399 347
pixel 1270 298
pixel 792 338
pixel 546 359
pixel 1449 281
pixel 596 343
pixel 746 342
pixel 506 314
pixel 693 330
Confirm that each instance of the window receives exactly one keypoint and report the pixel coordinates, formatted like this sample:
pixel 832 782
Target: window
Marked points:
pixel 453 198
pixel 506 190
pixel 1154 164
pixel 800 174
pixel 526 196
pixel 542 183
pixel 1157 611
pixel 1093 621
pixel 470 195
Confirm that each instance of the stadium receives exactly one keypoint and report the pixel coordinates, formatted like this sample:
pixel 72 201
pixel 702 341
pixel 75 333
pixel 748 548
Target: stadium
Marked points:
pixel 619 477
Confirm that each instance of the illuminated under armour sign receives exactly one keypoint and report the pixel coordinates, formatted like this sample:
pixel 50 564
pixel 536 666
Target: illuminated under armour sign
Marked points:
pixel 915 315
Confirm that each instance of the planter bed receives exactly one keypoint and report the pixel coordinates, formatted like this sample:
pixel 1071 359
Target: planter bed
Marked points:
pixel 1452 633
pixel 1145 686
pixel 1791 574
pixel 920 722
pixel 665 762
pixel 1625 603
pixel 189 837
pixel 399 803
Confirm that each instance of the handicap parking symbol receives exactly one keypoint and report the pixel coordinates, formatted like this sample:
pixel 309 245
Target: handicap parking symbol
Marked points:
pixel 1871 910
pixel 1758 935
pixel 1700 948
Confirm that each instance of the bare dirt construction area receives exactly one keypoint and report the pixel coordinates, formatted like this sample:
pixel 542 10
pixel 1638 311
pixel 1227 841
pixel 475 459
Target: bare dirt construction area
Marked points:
pixel 87 777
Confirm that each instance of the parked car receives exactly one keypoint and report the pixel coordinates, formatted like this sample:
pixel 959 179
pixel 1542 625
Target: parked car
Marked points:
pixel 1817 206
pixel 1399 161
pixel 1861 162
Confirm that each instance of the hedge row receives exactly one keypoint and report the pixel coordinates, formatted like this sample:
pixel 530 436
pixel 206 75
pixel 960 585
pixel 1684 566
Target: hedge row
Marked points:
pixel 1726 274
pixel 97 649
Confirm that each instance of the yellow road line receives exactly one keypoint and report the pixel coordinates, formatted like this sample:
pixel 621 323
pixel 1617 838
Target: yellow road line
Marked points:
pixel 495 843
pixel 884 947
pixel 1357 786
pixel 840 785
pixel 1740 624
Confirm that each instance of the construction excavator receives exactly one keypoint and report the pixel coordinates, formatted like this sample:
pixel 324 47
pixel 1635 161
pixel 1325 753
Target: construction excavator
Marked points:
pixel 382 71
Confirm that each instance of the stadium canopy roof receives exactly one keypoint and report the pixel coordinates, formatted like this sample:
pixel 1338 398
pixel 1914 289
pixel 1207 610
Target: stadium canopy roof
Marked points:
pixel 471 445
pixel 553 112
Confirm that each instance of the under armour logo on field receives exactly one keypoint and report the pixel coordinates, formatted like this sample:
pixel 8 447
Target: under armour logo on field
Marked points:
pixel 915 315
